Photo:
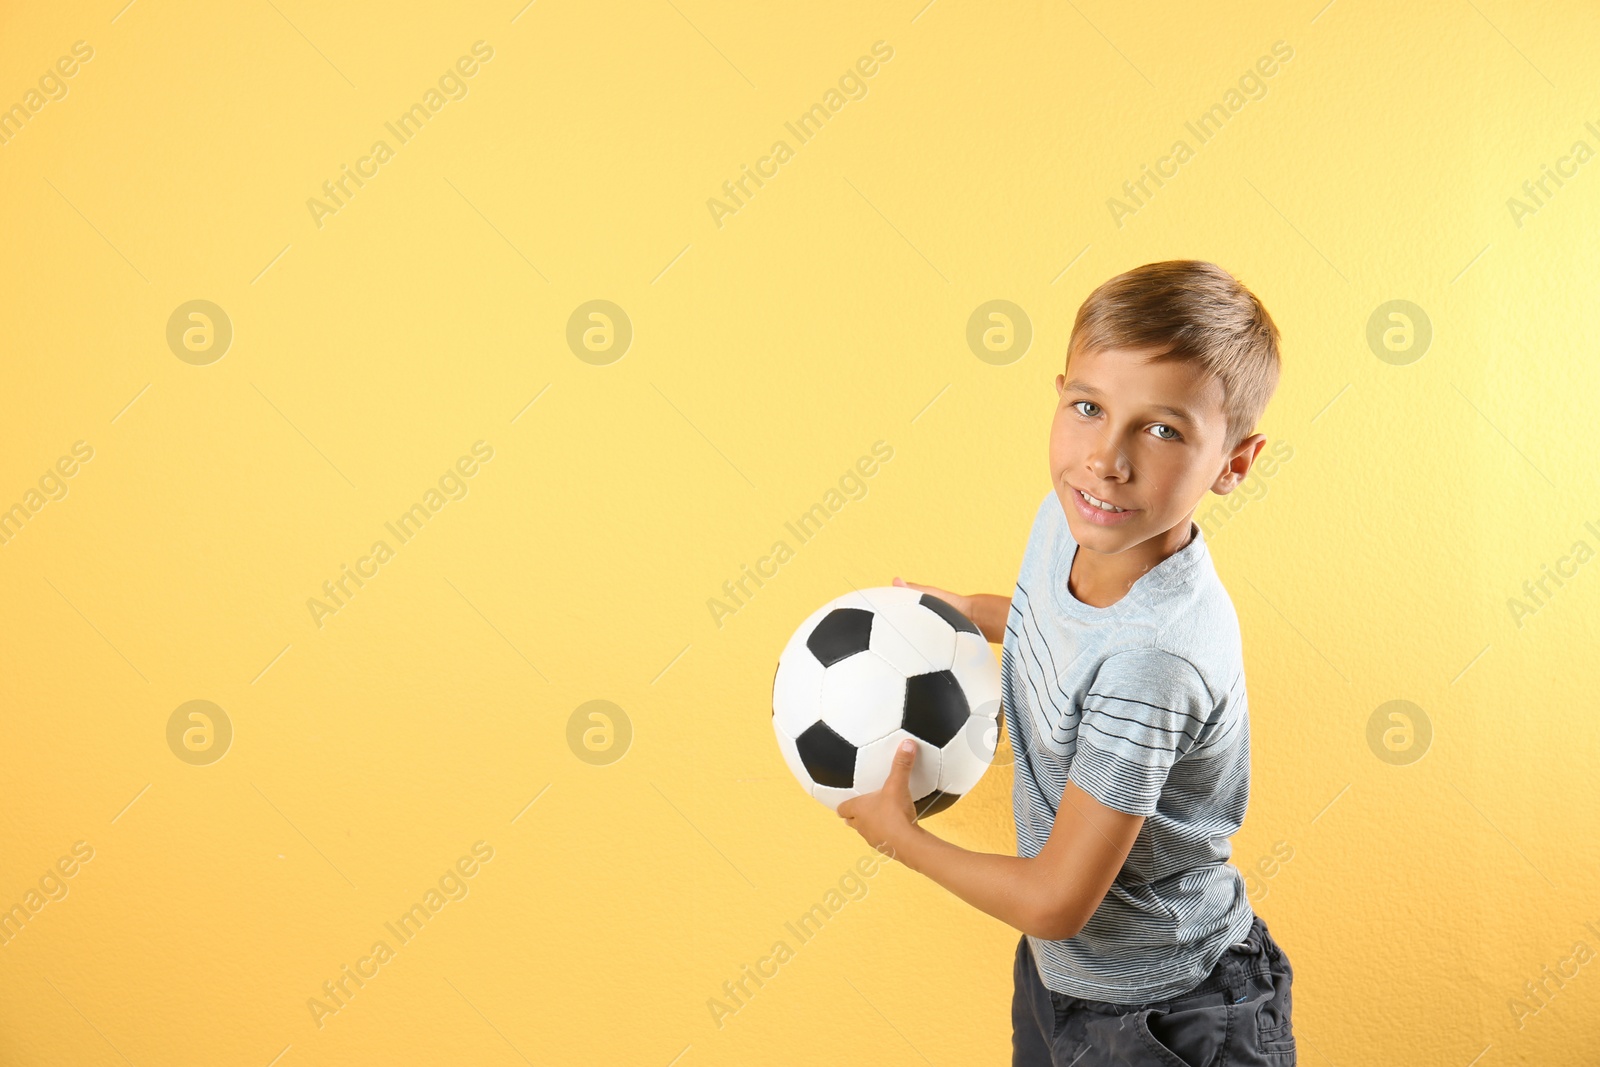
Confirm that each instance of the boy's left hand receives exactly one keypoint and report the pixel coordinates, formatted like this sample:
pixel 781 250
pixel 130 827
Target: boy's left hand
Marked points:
pixel 883 817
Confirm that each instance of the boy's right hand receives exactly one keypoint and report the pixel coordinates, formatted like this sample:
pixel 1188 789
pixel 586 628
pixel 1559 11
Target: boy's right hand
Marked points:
pixel 961 603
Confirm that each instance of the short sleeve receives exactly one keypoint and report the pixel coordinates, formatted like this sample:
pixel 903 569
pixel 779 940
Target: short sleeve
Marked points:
pixel 1141 714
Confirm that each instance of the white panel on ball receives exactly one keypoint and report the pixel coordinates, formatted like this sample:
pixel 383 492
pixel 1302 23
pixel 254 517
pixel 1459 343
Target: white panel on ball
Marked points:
pixel 831 796
pixel 791 756
pixel 968 755
pixel 979 673
pixel 797 692
pixel 874 760
pixel 863 698
pixel 914 639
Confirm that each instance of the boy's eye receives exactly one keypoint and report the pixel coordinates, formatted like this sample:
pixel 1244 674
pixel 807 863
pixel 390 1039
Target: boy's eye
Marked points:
pixel 1078 405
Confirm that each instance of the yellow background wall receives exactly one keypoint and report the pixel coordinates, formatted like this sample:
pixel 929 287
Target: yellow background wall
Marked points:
pixel 1417 885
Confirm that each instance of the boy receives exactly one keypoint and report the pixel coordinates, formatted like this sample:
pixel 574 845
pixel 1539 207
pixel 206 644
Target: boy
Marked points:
pixel 1124 699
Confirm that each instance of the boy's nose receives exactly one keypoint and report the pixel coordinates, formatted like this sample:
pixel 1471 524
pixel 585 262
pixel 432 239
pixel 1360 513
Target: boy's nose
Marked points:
pixel 1106 460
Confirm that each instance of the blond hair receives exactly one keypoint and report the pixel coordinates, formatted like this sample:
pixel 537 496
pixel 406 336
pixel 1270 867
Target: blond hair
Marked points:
pixel 1188 310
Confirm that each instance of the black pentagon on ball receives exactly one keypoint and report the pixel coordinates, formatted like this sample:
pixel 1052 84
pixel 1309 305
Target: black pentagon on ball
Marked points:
pixel 841 634
pixel 949 614
pixel 936 708
pixel 829 758
pixel 934 803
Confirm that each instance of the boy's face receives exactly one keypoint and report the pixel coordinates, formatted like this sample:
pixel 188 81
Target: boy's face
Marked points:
pixel 1114 438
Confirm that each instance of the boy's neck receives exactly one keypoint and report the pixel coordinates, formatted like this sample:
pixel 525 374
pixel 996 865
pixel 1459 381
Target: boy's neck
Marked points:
pixel 1100 580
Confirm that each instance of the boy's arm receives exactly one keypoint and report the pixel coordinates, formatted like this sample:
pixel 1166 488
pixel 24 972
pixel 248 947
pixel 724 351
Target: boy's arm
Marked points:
pixel 1049 896
pixel 989 614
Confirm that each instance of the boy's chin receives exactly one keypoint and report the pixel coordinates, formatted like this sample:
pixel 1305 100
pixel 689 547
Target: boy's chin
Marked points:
pixel 1101 540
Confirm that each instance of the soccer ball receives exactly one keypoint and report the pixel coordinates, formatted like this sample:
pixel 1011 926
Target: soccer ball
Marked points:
pixel 872 668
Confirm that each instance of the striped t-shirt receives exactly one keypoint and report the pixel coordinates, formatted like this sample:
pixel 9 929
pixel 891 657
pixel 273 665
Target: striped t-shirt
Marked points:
pixel 1142 705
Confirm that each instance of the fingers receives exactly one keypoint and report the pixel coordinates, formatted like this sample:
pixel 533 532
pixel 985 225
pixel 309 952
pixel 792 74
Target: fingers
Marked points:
pixel 900 770
pixel 955 600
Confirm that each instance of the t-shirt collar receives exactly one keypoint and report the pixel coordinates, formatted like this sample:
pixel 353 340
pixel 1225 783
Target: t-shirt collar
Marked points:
pixel 1172 571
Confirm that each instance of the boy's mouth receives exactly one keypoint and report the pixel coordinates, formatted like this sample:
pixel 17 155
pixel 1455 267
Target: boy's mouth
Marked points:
pixel 1100 512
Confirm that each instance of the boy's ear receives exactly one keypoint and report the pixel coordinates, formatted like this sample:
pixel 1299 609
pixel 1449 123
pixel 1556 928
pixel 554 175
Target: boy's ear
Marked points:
pixel 1239 463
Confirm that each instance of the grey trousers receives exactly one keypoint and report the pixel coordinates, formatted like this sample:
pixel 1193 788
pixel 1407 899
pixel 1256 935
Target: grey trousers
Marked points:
pixel 1238 1015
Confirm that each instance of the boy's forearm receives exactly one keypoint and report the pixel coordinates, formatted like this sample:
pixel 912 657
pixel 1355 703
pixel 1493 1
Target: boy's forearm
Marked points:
pixel 1006 887
pixel 989 612
pixel 1010 888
